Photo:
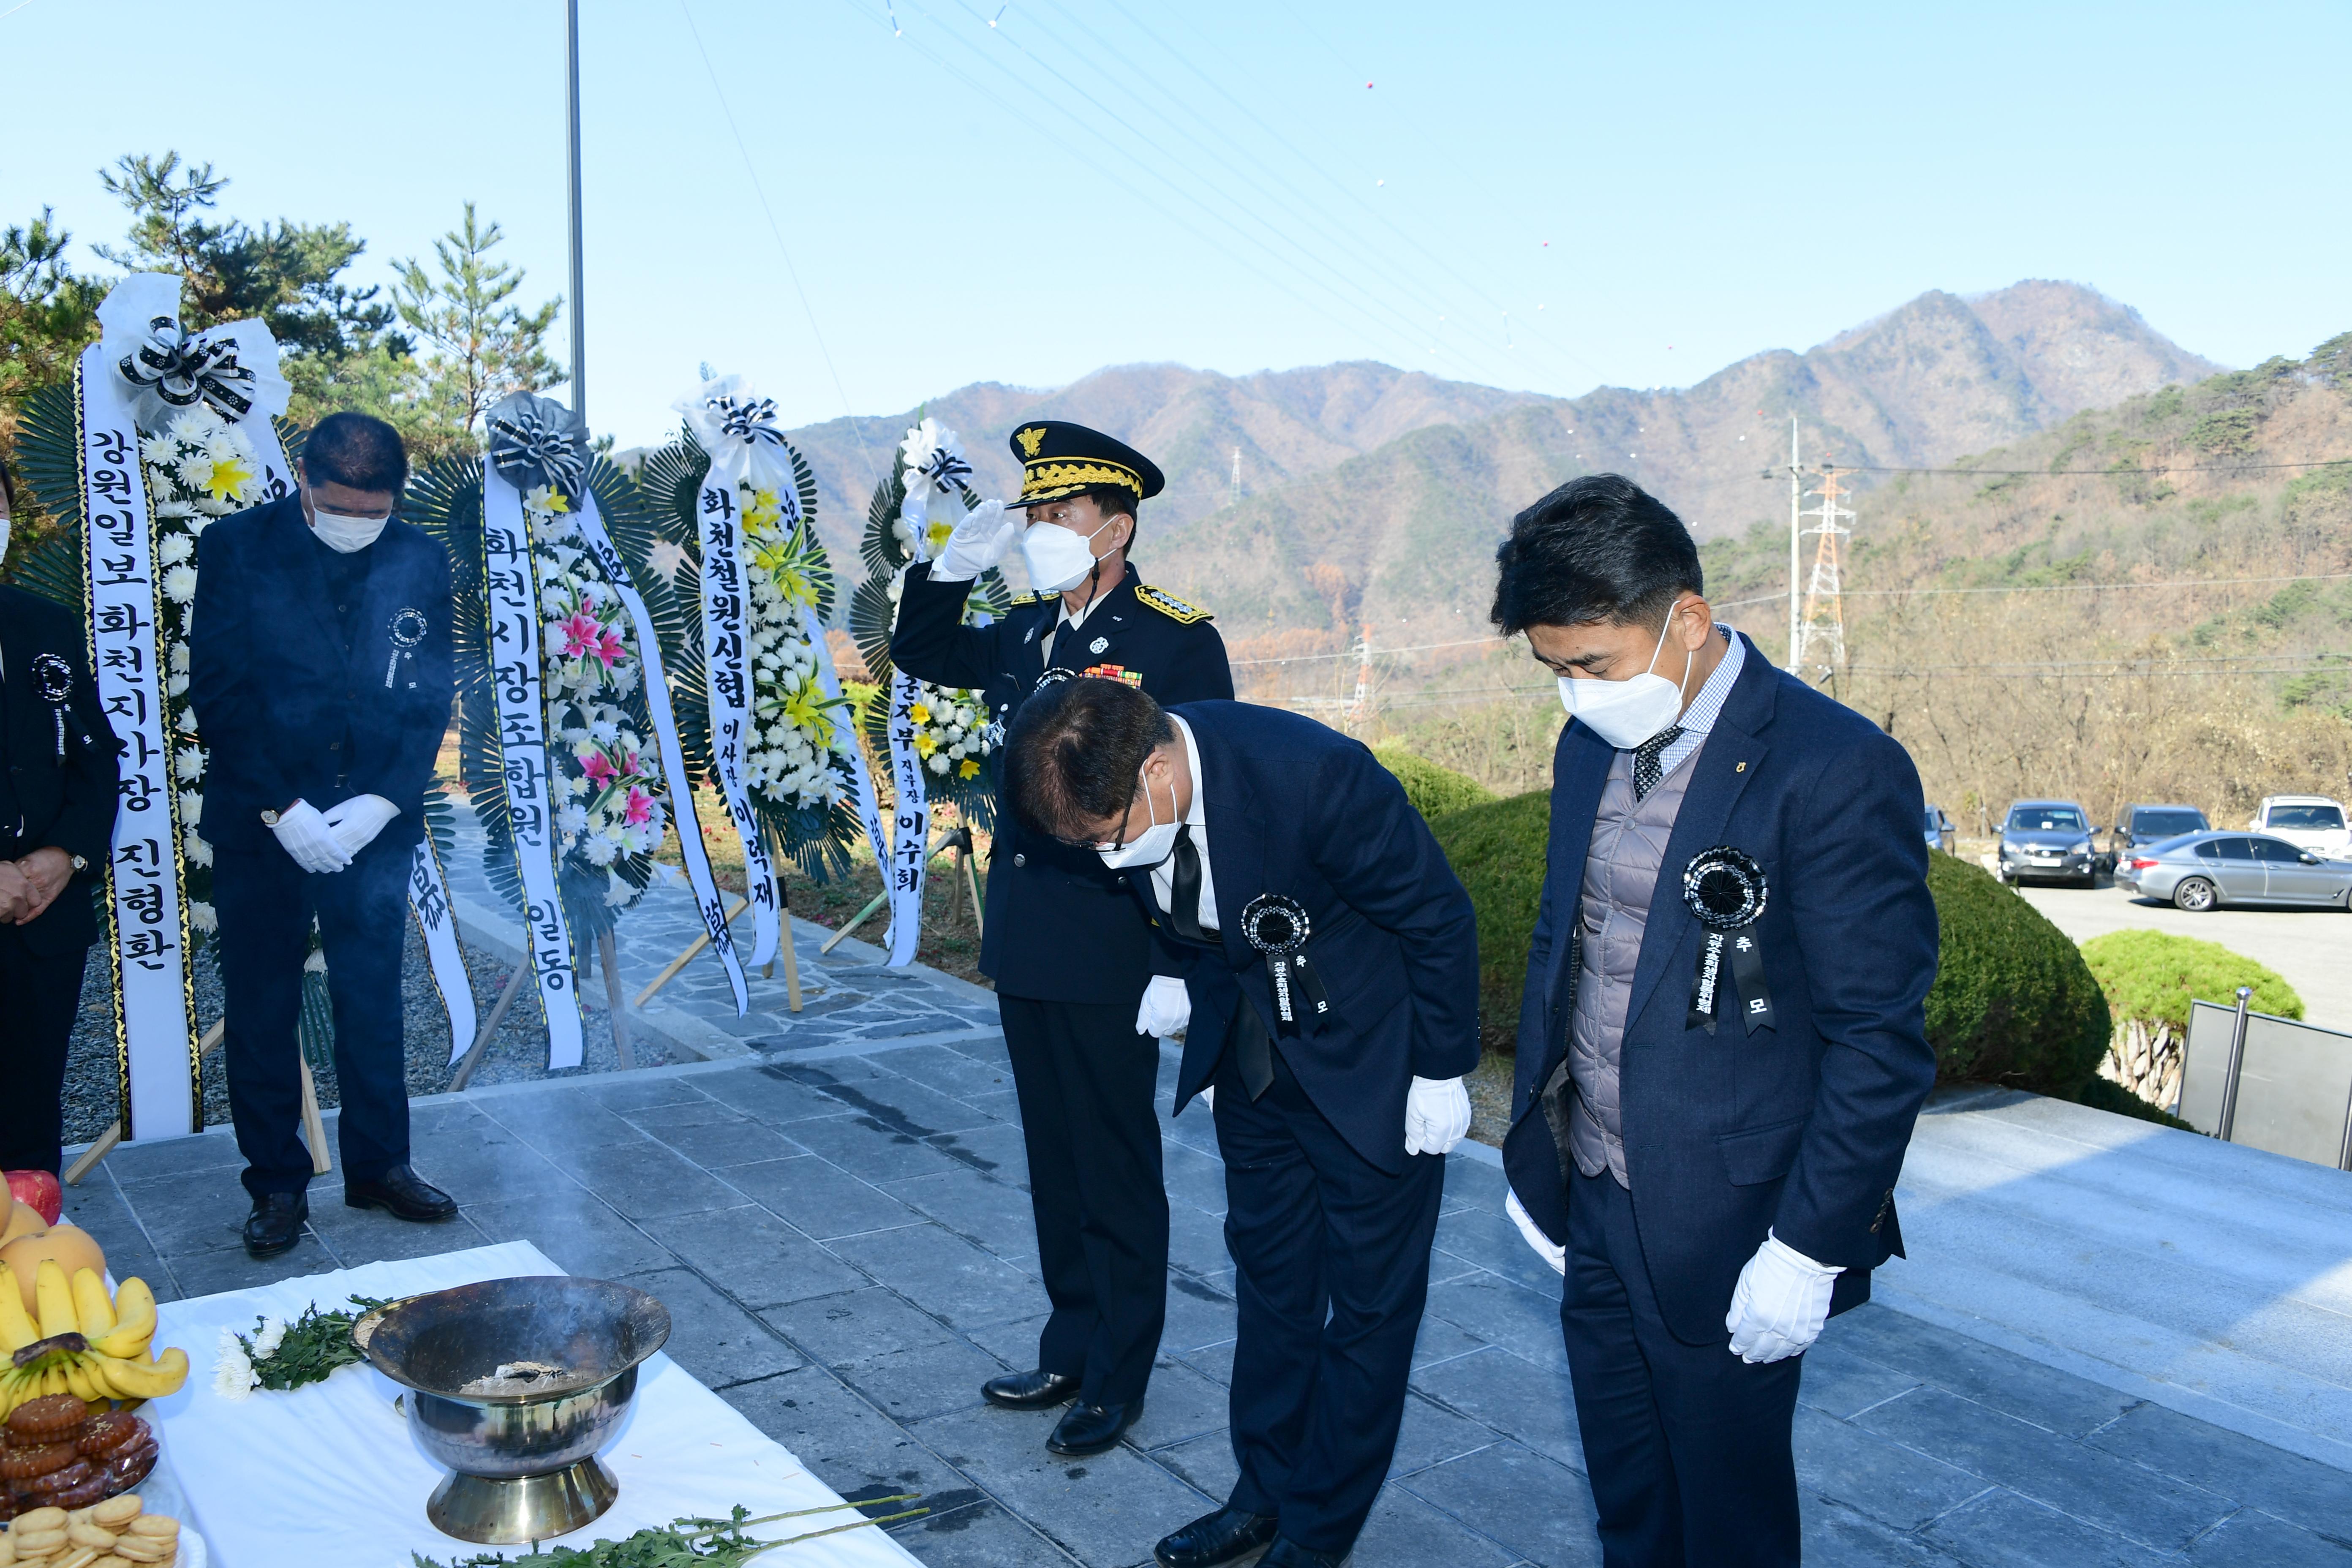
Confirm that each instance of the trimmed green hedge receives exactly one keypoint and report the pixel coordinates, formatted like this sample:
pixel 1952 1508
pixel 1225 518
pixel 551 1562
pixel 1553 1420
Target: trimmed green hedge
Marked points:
pixel 1497 850
pixel 2013 1003
pixel 1433 790
pixel 2153 976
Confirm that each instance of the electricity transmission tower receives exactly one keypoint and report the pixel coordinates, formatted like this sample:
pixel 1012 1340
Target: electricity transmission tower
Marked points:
pixel 1821 629
pixel 1237 477
pixel 1362 708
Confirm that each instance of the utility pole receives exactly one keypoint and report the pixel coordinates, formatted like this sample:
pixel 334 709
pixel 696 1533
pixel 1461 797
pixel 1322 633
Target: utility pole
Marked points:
pixel 1237 477
pixel 1821 633
pixel 1795 526
pixel 579 323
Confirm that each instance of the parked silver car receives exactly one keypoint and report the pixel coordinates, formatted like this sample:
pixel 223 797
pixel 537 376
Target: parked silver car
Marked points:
pixel 2200 872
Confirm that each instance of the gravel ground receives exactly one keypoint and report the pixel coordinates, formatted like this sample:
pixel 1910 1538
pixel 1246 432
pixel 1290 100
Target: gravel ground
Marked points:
pixel 518 1051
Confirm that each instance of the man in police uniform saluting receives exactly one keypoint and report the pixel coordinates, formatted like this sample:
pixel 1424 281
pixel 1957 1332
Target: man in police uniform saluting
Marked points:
pixel 1068 946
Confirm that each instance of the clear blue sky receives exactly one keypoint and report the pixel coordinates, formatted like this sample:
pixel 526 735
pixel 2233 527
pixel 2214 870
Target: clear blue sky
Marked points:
pixel 1242 185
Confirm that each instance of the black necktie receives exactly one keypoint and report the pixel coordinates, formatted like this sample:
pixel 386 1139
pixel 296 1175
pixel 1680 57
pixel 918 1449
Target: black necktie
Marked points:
pixel 1647 771
pixel 1185 891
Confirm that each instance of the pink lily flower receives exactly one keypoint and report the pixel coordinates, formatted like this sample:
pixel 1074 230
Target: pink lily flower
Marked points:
pixel 580 635
pixel 599 769
pixel 640 809
pixel 609 650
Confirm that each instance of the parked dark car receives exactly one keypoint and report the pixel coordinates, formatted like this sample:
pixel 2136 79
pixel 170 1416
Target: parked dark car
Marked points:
pixel 2201 872
pixel 2136 827
pixel 2048 840
pixel 1941 834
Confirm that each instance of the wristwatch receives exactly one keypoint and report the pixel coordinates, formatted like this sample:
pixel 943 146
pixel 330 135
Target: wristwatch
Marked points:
pixel 80 863
pixel 268 819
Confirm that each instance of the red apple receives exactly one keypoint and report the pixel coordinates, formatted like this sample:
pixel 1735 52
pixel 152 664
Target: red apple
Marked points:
pixel 38 1190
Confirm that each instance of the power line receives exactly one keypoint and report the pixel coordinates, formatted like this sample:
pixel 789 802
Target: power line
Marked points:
pixel 783 251
pixel 2102 473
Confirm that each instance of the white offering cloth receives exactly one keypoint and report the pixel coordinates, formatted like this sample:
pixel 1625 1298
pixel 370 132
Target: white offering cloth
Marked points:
pixel 328 1473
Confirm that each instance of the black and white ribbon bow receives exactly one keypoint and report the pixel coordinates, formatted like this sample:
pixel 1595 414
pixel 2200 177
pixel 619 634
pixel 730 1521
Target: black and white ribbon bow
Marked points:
pixel 53 678
pixel 538 441
pixel 751 420
pixel 1725 891
pixel 180 370
pixel 945 469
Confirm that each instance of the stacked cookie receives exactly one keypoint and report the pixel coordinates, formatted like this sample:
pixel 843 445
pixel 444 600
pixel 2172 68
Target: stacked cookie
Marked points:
pixel 116 1533
pixel 55 1454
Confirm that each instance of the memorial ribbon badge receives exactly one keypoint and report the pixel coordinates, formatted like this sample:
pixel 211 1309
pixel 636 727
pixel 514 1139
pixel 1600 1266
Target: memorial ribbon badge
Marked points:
pixel 1277 925
pixel 406 630
pixel 53 678
pixel 1725 891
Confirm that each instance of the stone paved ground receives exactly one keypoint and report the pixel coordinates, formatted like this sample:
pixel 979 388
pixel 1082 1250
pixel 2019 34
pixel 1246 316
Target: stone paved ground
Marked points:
pixel 845 1249
pixel 850 1000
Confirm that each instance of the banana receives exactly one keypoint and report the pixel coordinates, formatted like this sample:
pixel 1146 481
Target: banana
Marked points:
pixel 92 1311
pixel 135 1305
pixel 79 1381
pixel 147 1380
pixel 53 1380
pixel 17 1329
pixel 56 1300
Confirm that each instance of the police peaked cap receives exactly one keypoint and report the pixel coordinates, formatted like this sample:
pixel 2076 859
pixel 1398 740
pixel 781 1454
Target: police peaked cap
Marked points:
pixel 1059 458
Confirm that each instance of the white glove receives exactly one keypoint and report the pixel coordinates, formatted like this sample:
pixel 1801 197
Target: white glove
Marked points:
pixel 309 838
pixel 358 820
pixel 1780 1304
pixel 979 543
pixel 1548 1249
pixel 1167 1009
pixel 1436 1115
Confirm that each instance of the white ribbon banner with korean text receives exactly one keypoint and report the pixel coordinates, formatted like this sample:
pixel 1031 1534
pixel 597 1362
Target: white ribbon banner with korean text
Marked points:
pixel 155 1005
pixel 514 647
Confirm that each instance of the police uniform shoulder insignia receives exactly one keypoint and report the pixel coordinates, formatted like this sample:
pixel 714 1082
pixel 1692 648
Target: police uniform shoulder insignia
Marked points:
pixel 1168 604
pixel 1021 601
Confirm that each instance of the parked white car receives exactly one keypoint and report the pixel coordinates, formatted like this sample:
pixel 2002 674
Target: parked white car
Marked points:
pixel 2310 822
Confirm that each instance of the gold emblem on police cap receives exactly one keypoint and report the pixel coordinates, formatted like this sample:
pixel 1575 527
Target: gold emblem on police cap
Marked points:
pixel 1031 439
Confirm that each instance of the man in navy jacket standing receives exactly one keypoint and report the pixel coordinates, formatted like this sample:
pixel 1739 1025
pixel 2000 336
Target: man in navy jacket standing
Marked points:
pixel 1722 1046
pixel 320 670
pixel 1331 964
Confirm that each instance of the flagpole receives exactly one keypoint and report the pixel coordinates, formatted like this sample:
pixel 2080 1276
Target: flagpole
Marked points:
pixel 579 323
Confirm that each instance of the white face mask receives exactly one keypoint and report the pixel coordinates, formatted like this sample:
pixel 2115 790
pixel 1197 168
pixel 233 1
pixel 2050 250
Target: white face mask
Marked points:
pixel 1627 712
pixel 1152 846
pixel 1059 558
pixel 345 534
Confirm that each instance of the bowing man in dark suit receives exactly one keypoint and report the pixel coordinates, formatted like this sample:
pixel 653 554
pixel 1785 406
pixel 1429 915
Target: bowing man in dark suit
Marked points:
pixel 57 779
pixel 1722 1042
pixel 320 670
pixel 1069 948
pixel 1331 971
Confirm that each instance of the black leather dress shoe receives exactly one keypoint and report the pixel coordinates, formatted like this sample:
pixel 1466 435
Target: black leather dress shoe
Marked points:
pixel 1290 1554
pixel 1090 1429
pixel 1030 1389
pixel 404 1195
pixel 275 1223
pixel 1229 1538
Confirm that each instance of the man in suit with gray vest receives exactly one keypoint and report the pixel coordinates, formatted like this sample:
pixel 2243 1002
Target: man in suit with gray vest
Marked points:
pixel 1722 1041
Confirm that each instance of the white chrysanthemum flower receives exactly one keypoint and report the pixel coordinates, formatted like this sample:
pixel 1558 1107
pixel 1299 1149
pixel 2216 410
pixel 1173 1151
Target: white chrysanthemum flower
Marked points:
pixel 212 507
pixel 178 686
pixel 189 765
pixel 233 1375
pixel 938 763
pixel 202 917
pixel 191 808
pixel 197 524
pixel 179 656
pixel 265 1342
pixel 158 451
pixel 193 424
pixel 174 510
pixel 602 849
pixel 188 723
pixel 570 818
pixel 180 584
pixel 199 852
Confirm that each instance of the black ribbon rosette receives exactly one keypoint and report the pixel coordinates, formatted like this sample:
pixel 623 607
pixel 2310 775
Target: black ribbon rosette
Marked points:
pixel 537 441
pixel 406 630
pixel 1724 890
pixel 180 370
pixel 1277 925
pixel 751 420
pixel 53 678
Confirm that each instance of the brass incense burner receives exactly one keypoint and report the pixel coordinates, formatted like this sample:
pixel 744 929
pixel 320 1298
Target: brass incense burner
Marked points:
pixel 522 1458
